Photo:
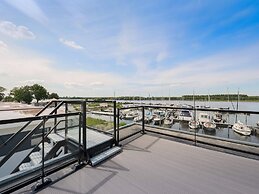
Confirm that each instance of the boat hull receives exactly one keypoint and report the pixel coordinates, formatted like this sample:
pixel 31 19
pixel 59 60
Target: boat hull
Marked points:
pixel 210 126
pixel 241 129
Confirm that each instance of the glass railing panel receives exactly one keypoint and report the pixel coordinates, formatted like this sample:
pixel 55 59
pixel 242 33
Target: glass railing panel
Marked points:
pixel 100 116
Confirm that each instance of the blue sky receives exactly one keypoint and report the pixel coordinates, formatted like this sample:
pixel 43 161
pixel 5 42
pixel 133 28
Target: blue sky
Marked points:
pixel 136 47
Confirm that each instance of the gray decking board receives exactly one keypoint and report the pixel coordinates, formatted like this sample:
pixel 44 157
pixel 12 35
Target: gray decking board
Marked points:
pixel 154 165
pixel 127 131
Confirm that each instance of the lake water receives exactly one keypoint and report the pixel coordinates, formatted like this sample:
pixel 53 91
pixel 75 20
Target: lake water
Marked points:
pixel 220 132
pixel 224 132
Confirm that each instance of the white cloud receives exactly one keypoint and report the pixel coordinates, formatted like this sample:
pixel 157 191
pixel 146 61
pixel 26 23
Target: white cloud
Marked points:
pixel 33 81
pixel 98 84
pixel 232 67
pixel 23 67
pixel 71 44
pixel 29 8
pixel 3 46
pixel 14 31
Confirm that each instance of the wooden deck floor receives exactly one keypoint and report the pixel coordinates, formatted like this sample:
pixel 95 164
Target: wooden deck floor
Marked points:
pixel 151 164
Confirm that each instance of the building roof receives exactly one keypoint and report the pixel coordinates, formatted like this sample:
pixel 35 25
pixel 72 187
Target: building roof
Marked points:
pixel 151 164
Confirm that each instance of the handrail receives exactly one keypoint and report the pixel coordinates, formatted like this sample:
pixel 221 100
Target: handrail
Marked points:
pixel 29 122
pixel 37 145
pixel 41 111
pixel 10 121
pixel 133 107
pixel 15 109
pixel 30 134
pixel 197 109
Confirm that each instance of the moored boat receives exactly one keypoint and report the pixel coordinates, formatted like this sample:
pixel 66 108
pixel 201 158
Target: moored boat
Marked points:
pixel 241 128
pixel 209 125
pixel 158 119
pixel 131 115
pixel 185 115
pixel 204 117
pixel 137 119
pixel 194 124
pixel 168 122
pixel 148 119
pixel 218 117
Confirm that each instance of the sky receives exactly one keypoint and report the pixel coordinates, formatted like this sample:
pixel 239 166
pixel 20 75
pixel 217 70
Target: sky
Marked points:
pixel 131 47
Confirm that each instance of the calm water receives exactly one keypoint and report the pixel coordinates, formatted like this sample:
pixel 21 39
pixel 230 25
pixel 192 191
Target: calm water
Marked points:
pixel 250 120
pixel 220 132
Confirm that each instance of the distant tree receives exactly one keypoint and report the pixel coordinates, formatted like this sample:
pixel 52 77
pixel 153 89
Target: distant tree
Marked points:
pixel 53 95
pixel 39 92
pixel 22 94
pixel 8 99
pixel 2 89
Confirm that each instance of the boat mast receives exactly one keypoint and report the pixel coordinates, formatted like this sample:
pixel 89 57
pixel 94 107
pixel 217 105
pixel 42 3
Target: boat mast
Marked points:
pixel 237 102
pixel 169 95
pixel 194 108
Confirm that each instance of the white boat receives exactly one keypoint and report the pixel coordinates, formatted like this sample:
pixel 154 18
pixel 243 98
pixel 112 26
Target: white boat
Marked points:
pixel 168 122
pixel 137 119
pixel 158 119
pixel 241 128
pixel 204 117
pixel 257 123
pixel 131 115
pixel 194 124
pixel 148 119
pixel 218 117
pixel 210 125
pixel 185 115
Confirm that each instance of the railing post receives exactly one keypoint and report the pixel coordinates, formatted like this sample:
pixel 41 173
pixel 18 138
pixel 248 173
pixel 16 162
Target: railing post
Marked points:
pixel 55 119
pixel 195 136
pixel 43 151
pixel 44 181
pixel 66 127
pixel 79 139
pixel 83 108
pixel 143 119
pixel 118 126
pixel 114 122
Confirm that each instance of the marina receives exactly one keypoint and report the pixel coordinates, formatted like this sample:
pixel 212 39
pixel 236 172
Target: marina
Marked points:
pixel 134 97
pixel 171 120
pixel 64 136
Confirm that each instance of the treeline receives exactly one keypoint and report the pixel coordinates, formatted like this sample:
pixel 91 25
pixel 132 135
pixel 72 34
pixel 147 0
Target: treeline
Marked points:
pixel 215 97
pixel 221 97
pixel 26 94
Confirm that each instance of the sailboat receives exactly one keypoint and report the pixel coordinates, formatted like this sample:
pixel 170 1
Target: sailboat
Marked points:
pixel 169 120
pixel 240 127
pixel 194 124
pixel 208 124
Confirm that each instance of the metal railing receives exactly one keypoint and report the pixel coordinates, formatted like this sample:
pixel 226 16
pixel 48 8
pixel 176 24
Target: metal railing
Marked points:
pixel 40 133
pixel 17 177
pixel 80 152
pixel 197 136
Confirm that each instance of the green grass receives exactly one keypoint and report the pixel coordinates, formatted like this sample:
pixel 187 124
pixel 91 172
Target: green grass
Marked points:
pixel 101 124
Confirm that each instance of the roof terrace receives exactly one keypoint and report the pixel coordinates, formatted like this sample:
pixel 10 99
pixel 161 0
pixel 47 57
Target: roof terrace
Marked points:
pixel 153 164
